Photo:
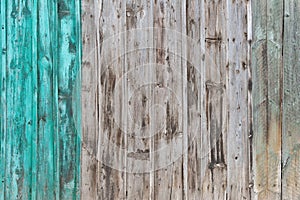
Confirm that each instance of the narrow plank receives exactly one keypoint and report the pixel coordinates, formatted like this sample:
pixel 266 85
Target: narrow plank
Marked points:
pixel 46 118
pixel 267 64
pixel 139 67
pixel 111 178
pixel 90 32
pixel 69 58
pixel 291 103
pixel 195 31
pixel 20 81
pixel 214 137
pixel 237 94
pixel 3 137
pixel 56 144
pixel 169 24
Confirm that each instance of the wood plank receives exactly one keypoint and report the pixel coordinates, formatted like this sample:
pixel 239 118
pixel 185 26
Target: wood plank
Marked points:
pixel 89 100
pixel 291 103
pixel 170 74
pixel 111 178
pixel 46 62
pixel 237 94
pixel 3 100
pixel 139 70
pixel 214 137
pixel 68 113
pixel 195 31
pixel 20 92
pixel 267 66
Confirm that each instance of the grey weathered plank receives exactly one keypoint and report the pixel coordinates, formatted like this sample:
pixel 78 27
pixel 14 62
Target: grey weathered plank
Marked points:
pixel 169 16
pixel 291 102
pixel 195 86
pixel 267 66
pixel 214 137
pixel 89 100
pixel 111 178
pixel 139 70
pixel 237 100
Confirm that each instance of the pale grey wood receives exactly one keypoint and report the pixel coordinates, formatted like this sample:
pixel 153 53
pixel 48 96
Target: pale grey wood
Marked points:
pixel 182 96
pixel 291 102
pixel 139 68
pixel 168 181
pixel 111 176
pixel 195 86
pixel 89 99
pixel 214 137
pixel 237 98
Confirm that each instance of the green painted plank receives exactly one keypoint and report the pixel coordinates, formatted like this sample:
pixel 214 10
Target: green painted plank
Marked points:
pixel 291 102
pixel 40 99
pixel 46 116
pixel 34 140
pixel 2 97
pixel 20 95
pixel 267 65
pixel 69 57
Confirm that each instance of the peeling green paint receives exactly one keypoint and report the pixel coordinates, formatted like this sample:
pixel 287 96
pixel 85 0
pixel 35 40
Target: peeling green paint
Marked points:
pixel 40 99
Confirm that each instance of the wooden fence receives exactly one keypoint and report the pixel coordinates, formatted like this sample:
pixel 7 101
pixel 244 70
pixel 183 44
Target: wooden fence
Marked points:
pixel 150 99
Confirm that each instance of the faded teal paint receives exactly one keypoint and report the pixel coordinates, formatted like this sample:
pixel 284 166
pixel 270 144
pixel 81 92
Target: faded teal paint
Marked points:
pixel 40 99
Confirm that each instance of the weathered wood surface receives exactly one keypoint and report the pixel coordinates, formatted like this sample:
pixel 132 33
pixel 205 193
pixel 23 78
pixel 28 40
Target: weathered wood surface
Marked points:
pixel 267 79
pixel 180 100
pixel 166 99
pixel 40 84
pixel 291 101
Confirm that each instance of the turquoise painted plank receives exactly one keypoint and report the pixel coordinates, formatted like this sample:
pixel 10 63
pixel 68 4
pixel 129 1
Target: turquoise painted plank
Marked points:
pixel 68 102
pixel 34 139
pixel 20 94
pixel 2 97
pixel 46 116
pixel 40 99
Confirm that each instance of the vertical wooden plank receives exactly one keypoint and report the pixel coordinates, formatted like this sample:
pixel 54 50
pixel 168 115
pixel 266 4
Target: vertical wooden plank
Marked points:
pixel 56 144
pixel 139 67
pixel 21 88
pixel 90 32
pixel 3 99
pixel 169 18
pixel 111 178
pixel 214 164
pixel 267 66
pixel 291 103
pixel 237 94
pixel 46 119
pixel 69 58
pixel 195 31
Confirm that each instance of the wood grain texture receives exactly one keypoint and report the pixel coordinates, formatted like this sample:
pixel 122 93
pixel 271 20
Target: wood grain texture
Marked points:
pixel 238 166
pixel 111 62
pixel 89 100
pixel 169 74
pixel 267 73
pixel 291 104
pixel 160 93
pixel 40 84
pixel 214 164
